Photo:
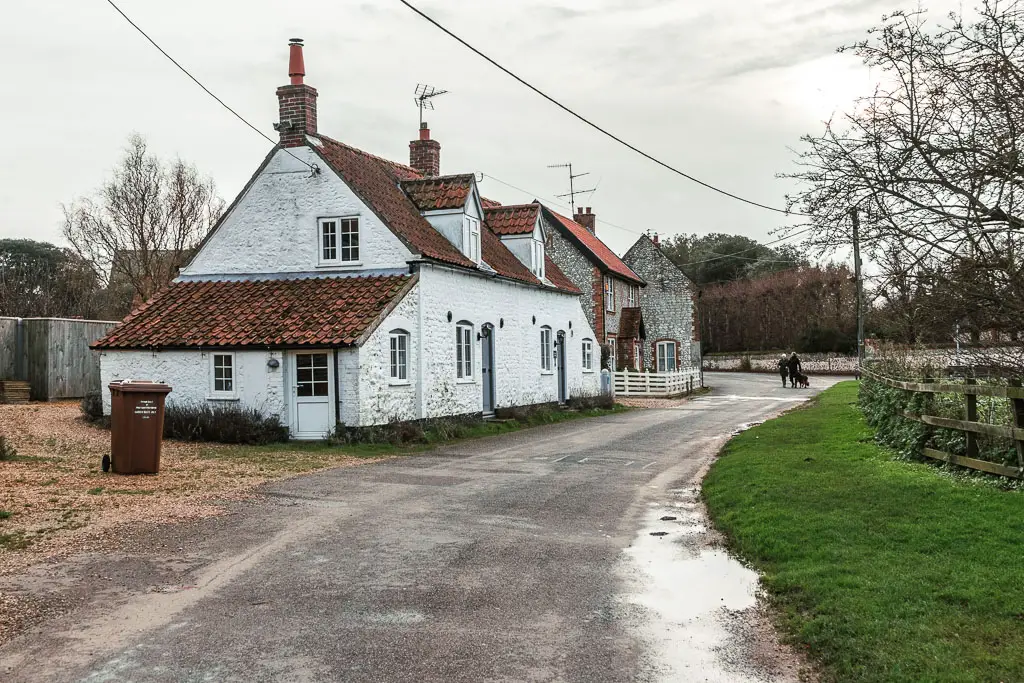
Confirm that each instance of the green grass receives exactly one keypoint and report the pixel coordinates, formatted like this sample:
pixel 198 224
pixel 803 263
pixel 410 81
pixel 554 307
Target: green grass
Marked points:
pixel 884 570
pixel 5 514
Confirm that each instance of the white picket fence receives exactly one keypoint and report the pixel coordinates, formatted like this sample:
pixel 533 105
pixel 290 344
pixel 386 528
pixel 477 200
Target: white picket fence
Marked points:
pixel 664 384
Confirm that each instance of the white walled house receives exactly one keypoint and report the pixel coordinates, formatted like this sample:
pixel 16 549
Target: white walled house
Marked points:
pixel 340 287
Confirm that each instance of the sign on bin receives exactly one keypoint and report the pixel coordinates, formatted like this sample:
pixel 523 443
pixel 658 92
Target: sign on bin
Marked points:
pixel 136 425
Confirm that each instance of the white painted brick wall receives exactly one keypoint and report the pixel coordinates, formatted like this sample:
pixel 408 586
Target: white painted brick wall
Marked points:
pixel 273 227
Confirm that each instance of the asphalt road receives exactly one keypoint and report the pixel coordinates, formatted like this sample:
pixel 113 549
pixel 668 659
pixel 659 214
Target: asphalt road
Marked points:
pixel 499 559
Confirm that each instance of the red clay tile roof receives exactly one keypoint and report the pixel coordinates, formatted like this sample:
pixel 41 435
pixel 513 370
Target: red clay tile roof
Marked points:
pixel 497 256
pixel 376 180
pixel 442 192
pixel 331 311
pixel 631 323
pixel 518 219
pixel 595 249
pixel 557 278
pixel 489 203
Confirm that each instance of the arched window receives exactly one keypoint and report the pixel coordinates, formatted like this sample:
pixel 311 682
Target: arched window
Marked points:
pixel 545 349
pixel 399 356
pixel 588 355
pixel 464 349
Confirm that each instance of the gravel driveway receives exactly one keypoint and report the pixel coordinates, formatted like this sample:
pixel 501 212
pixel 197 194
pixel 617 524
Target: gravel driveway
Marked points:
pixel 576 552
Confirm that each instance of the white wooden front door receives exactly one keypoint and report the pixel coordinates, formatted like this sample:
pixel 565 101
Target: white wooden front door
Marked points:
pixel 312 380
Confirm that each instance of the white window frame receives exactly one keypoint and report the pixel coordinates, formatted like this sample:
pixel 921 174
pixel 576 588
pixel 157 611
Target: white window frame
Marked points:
pixel 546 351
pixel 613 353
pixel 588 355
pixel 471 233
pixel 338 259
pixel 223 393
pixel 609 294
pixel 631 297
pixel 537 257
pixel 398 357
pixel 638 355
pixel 464 352
pixel 662 355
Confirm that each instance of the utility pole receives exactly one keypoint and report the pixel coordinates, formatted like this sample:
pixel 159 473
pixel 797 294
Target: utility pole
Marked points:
pixel 571 194
pixel 855 218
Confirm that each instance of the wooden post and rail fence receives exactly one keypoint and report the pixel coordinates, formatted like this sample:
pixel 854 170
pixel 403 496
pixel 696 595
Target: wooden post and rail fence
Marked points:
pixel 1014 393
pixel 657 384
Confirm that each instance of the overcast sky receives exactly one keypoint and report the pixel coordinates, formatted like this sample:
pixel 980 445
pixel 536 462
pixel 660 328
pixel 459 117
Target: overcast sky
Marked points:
pixel 719 89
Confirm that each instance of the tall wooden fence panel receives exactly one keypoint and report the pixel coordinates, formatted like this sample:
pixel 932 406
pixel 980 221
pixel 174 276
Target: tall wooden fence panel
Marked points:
pixel 9 348
pixel 56 358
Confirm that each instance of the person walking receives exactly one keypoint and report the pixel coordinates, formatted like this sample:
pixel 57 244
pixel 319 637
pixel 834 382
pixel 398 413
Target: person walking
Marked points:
pixel 794 368
pixel 784 368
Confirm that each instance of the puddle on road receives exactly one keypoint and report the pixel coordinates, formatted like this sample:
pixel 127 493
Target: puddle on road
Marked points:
pixel 691 595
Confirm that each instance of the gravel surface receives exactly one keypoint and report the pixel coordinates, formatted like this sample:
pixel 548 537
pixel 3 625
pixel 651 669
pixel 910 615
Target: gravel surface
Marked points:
pixel 55 500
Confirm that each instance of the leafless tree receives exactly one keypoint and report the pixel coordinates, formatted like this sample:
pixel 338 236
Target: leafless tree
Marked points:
pixel 933 161
pixel 143 224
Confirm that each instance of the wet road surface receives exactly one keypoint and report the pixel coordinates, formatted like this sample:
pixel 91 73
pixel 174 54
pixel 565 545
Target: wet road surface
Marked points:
pixel 523 557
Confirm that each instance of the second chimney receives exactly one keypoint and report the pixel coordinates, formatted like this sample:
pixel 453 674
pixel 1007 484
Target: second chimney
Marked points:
pixel 425 154
pixel 297 101
pixel 587 219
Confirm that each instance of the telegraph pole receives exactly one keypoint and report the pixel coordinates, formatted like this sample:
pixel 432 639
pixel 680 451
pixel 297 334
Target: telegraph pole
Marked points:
pixel 855 218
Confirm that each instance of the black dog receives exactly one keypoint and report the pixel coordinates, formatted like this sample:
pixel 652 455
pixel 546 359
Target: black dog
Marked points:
pixel 802 381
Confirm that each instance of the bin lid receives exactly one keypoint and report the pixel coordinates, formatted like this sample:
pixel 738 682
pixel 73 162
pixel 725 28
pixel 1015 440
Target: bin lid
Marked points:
pixel 139 386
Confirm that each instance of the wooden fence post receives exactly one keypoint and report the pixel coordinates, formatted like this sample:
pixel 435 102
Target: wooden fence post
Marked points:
pixel 1018 421
pixel 972 416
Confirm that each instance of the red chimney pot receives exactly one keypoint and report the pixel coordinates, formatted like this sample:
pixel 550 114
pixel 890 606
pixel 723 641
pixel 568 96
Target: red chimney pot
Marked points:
pixel 296 67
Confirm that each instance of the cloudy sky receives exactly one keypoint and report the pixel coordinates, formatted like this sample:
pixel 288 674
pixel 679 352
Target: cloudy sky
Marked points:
pixel 720 89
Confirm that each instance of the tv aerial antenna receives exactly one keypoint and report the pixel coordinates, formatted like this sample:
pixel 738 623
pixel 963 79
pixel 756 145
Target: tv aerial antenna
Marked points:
pixel 424 94
pixel 571 194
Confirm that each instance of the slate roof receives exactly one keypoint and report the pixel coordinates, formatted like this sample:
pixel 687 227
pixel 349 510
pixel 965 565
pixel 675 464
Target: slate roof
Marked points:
pixel 330 311
pixel 442 192
pixel 596 250
pixel 517 219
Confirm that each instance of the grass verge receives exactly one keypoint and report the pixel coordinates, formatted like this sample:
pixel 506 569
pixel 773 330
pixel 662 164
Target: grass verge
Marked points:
pixel 883 570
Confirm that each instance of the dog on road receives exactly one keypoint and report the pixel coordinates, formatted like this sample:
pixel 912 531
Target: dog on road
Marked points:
pixel 802 381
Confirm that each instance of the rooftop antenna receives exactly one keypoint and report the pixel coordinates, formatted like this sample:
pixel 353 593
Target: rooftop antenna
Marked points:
pixel 571 194
pixel 424 93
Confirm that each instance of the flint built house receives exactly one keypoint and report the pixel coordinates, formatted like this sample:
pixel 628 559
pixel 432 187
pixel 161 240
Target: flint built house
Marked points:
pixel 340 287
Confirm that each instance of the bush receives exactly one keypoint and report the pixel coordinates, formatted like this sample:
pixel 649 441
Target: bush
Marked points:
pixel 7 451
pixel 400 432
pixel 745 365
pixel 591 402
pixel 826 340
pixel 221 423
pixel 92 409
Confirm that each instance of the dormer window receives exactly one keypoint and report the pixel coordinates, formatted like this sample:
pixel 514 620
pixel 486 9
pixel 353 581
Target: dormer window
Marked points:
pixel 471 234
pixel 339 241
pixel 537 257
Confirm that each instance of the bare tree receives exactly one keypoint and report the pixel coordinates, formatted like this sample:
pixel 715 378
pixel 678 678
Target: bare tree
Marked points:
pixel 933 161
pixel 144 223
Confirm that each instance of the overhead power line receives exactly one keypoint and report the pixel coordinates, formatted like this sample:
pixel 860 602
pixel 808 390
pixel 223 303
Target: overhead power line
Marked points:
pixel 590 123
pixel 312 167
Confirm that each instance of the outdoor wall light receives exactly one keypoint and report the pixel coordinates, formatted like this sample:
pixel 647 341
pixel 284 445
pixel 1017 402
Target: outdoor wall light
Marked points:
pixel 273 364
pixel 501 322
pixel 449 316
pixel 534 320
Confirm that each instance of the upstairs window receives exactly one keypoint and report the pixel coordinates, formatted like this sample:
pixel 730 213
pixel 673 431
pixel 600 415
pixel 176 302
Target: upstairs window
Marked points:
pixel 631 297
pixel 545 349
pixel 588 355
pixel 472 238
pixel 464 350
pixel 399 356
pixel 666 356
pixel 537 257
pixel 609 294
pixel 339 241
pixel 224 374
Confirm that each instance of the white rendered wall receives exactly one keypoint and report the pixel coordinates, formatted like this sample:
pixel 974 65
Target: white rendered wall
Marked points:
pixel 451 224
pixel 273 227
pixel 189 375
pixel 518 376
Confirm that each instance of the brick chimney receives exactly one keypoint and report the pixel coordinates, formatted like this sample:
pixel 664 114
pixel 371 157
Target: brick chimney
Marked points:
pixel 425 154
pixel 587 219
pixel 654 239
pixel 297 101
